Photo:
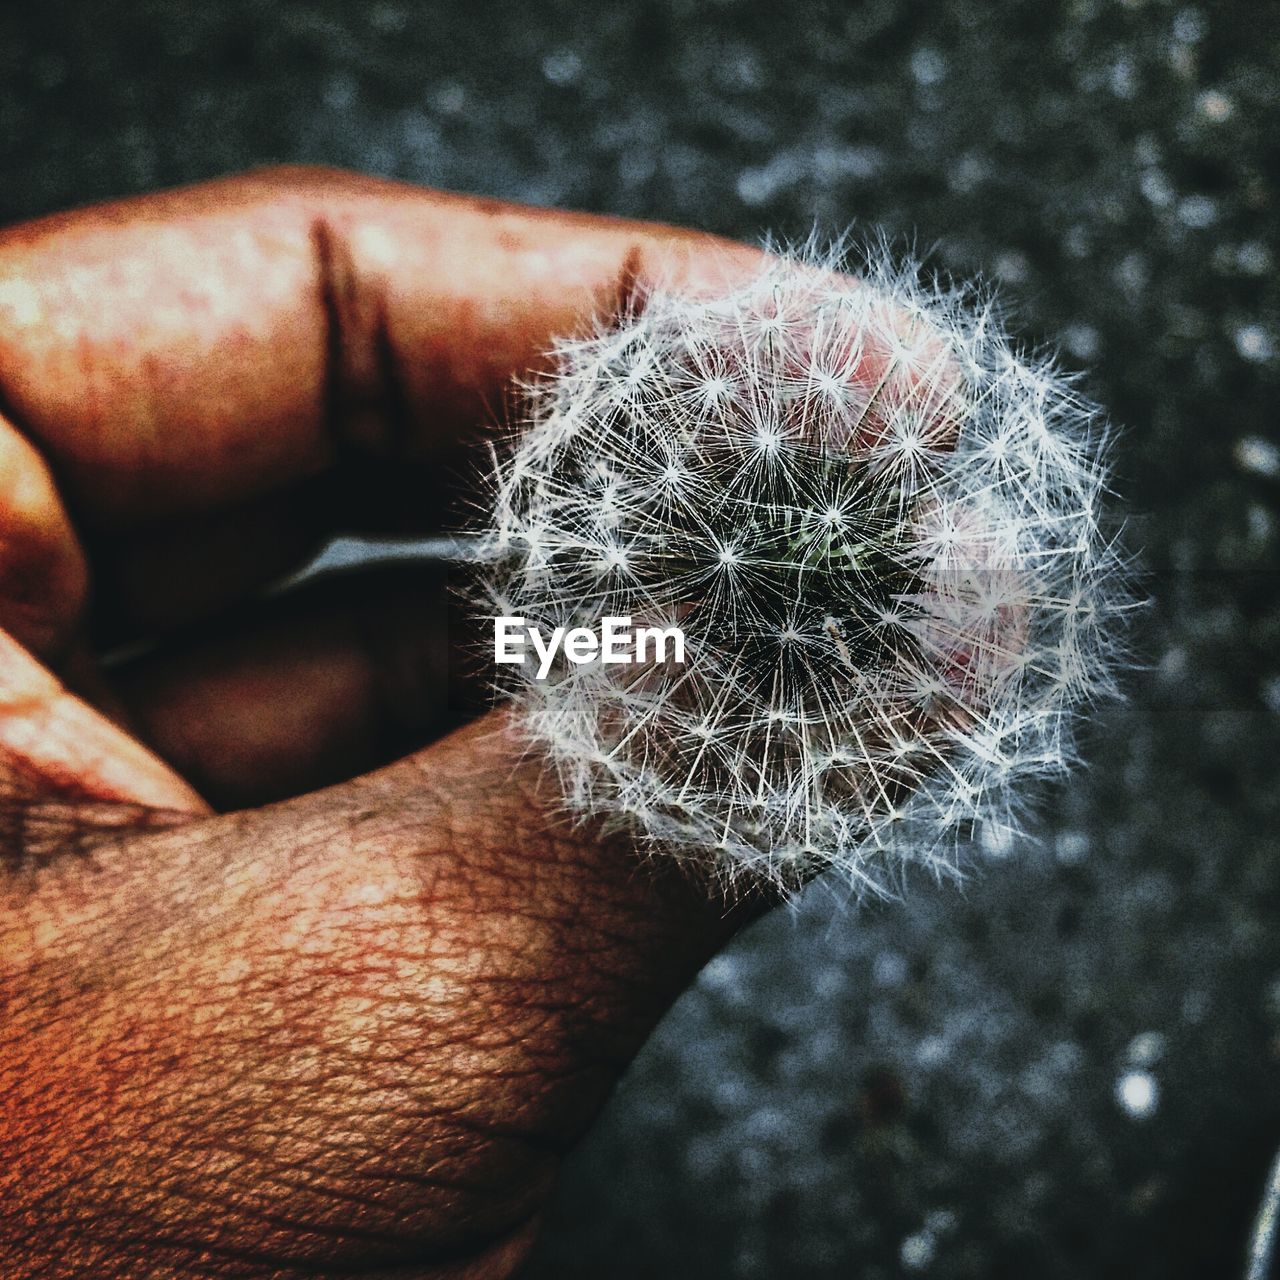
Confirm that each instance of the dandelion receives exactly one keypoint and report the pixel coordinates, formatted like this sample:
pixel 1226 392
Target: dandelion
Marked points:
pixel 879 524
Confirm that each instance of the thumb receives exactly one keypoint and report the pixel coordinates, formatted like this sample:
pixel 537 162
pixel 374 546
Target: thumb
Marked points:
pixel 355 1029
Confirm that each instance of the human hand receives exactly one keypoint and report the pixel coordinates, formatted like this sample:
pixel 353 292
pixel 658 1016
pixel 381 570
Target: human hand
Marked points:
pixel 254 1028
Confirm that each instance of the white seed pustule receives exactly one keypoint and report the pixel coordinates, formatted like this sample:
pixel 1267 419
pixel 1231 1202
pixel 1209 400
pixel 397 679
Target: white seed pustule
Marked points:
pixel 879 524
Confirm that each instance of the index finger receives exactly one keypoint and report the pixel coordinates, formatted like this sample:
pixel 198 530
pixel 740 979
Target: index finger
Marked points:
pixel 204 347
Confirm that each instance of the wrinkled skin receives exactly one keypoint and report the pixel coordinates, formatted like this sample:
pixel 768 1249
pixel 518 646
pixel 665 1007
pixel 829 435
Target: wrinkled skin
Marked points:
pixel 297 977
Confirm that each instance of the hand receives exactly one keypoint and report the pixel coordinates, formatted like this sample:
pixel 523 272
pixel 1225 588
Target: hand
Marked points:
pixel 337 1031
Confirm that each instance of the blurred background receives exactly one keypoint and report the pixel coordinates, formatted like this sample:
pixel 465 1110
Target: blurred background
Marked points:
pixel 1069 1068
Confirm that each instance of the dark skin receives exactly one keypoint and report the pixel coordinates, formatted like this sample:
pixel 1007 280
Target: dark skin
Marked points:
pixel 298 977
pixel 351 1026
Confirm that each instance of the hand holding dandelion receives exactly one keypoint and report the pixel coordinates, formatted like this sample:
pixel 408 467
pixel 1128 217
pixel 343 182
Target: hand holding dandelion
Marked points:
pixel 388 1002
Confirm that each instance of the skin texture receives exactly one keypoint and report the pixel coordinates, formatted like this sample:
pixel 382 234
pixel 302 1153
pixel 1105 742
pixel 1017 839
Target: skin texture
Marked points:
pixel 294 981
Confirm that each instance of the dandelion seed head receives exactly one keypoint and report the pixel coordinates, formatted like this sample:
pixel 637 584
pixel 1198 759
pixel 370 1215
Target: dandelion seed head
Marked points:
pixel 879 523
